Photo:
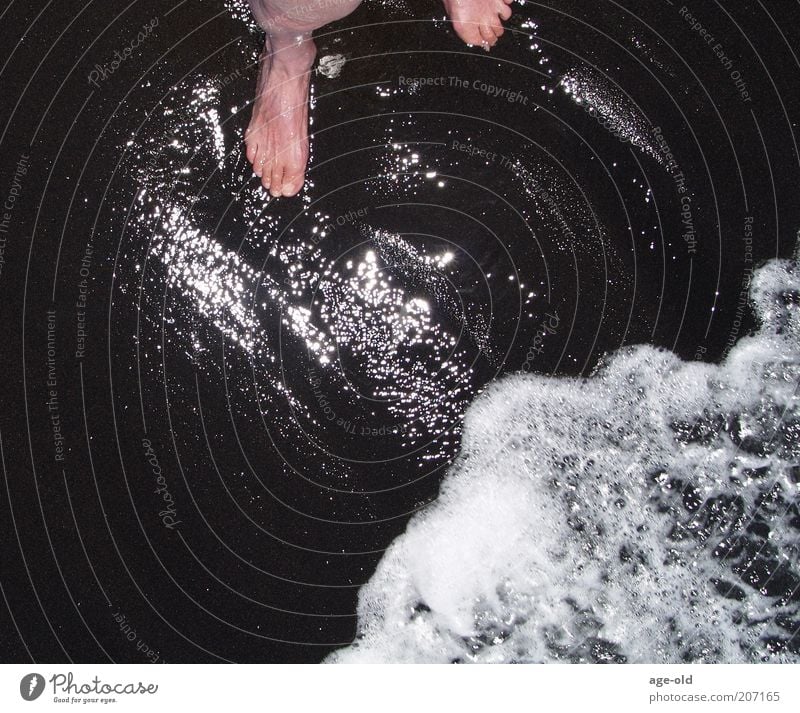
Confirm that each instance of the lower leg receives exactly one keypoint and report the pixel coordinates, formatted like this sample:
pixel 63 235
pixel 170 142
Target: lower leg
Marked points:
pixel 277 137
pixel 301 16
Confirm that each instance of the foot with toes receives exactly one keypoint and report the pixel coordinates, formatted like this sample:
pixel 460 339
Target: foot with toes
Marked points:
pixel 478 22
pixel 277 137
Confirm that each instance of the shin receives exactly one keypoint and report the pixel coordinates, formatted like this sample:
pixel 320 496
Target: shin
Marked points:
pixel 288 22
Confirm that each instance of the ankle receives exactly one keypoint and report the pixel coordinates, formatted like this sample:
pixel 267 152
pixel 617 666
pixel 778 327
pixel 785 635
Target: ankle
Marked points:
pixel 295 53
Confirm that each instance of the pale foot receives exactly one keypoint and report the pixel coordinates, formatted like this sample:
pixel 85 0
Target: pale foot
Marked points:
pixel 277 137
pixel 478 22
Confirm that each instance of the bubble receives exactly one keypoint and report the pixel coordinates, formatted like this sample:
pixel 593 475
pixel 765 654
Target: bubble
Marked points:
pixel 647 514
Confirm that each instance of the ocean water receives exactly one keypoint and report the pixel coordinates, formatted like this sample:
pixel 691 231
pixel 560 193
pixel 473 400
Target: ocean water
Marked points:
pixel 368 422
pixel 330 345
pixel 648 513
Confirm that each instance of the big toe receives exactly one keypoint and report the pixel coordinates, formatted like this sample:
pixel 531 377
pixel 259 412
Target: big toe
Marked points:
pixel 292 183
pixel 294 169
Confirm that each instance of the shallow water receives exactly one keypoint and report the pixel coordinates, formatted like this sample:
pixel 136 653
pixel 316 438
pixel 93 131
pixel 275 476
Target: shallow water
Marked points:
pixel 257 396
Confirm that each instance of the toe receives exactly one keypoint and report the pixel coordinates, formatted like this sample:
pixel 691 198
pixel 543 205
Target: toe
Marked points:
pixel 276 182
pixel 488 35
pixel 263 168
pixel 295 168
pixel 504 11
pixel 292 182
pixel 469 32
pixel 252 152
pixel 292 186
pixel 258 166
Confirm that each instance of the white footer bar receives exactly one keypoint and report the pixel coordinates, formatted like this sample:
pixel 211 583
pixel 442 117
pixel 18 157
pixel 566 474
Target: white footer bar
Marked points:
pixel 415 689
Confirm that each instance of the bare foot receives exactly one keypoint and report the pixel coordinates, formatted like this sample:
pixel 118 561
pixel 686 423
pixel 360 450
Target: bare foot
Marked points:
pixel 277 137
pixel 478 22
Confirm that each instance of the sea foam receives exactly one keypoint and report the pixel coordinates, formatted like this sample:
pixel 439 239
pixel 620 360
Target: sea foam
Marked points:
pixel 646 514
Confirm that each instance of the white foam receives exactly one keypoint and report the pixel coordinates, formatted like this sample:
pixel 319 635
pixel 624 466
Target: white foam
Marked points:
pixel 331 65
pixel 605 518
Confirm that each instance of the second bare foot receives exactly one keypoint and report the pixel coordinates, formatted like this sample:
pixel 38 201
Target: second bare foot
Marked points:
pixel 478 22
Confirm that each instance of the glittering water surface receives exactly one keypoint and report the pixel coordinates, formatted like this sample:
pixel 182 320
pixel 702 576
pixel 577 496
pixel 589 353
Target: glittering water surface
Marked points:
pixel 430 251
pixel 513 378
pixel 361 322
pixel 616 111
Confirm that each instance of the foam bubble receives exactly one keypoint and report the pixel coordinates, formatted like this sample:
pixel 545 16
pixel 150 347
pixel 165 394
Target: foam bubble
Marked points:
pixel 646 514
pixel 331 65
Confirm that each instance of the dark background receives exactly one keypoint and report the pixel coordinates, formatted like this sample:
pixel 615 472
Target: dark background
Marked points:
pixel 278 532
